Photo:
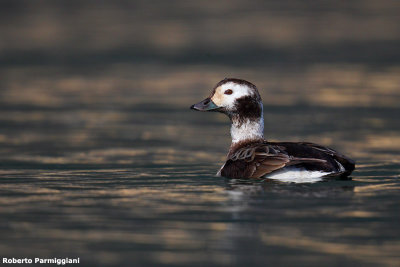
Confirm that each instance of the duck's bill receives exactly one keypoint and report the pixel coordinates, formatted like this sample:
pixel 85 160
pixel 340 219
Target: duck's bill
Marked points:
pixel 205 105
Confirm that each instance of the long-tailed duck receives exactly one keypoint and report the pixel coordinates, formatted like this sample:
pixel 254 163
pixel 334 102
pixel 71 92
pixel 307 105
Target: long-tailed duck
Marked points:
pixel 251 156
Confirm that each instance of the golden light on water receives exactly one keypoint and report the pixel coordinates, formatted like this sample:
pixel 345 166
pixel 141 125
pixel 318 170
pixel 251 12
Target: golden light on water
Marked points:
pixel 100 156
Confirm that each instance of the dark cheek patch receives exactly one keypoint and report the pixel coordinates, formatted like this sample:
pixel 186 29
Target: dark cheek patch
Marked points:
pixel 248 108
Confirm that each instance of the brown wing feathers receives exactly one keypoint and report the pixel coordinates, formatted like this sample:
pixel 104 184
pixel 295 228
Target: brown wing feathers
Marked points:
pixel 256 160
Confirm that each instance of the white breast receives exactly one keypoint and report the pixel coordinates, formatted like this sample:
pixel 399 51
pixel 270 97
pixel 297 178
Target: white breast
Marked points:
pixel 296 175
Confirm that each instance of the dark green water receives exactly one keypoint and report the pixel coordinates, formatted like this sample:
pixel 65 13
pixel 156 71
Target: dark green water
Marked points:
pixel 141 190
pixel 101 158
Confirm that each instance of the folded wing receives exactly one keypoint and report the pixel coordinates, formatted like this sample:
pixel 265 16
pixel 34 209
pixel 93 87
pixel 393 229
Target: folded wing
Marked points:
pixel 259 159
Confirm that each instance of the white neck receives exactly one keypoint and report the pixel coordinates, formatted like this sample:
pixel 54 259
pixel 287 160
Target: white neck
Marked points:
pixel 247 130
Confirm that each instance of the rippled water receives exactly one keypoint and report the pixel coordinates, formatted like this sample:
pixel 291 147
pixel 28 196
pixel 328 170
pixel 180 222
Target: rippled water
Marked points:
pixel 101 158
pixel 136 185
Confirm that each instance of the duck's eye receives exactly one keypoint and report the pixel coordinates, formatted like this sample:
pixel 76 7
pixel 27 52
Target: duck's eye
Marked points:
pixel 228 92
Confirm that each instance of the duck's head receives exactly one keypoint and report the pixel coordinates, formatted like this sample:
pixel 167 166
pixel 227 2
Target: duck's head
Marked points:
pixel 235 97
pixel 240 100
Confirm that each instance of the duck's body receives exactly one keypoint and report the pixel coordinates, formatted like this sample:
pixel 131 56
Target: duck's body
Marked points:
pixel 251 156
pixel 286 161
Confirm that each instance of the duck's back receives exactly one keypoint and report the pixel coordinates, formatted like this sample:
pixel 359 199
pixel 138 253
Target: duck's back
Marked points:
pixel 335 162
pixel 285 161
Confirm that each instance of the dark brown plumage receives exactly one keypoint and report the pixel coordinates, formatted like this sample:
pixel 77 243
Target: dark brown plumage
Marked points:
pixel 247 108
pixel 255 159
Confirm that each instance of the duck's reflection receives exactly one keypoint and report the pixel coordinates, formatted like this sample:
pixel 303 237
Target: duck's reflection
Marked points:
pixel 320 189
pixel 268 217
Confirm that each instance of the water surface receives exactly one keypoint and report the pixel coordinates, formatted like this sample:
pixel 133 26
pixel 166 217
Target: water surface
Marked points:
pixel 136 185
pixel 101 158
